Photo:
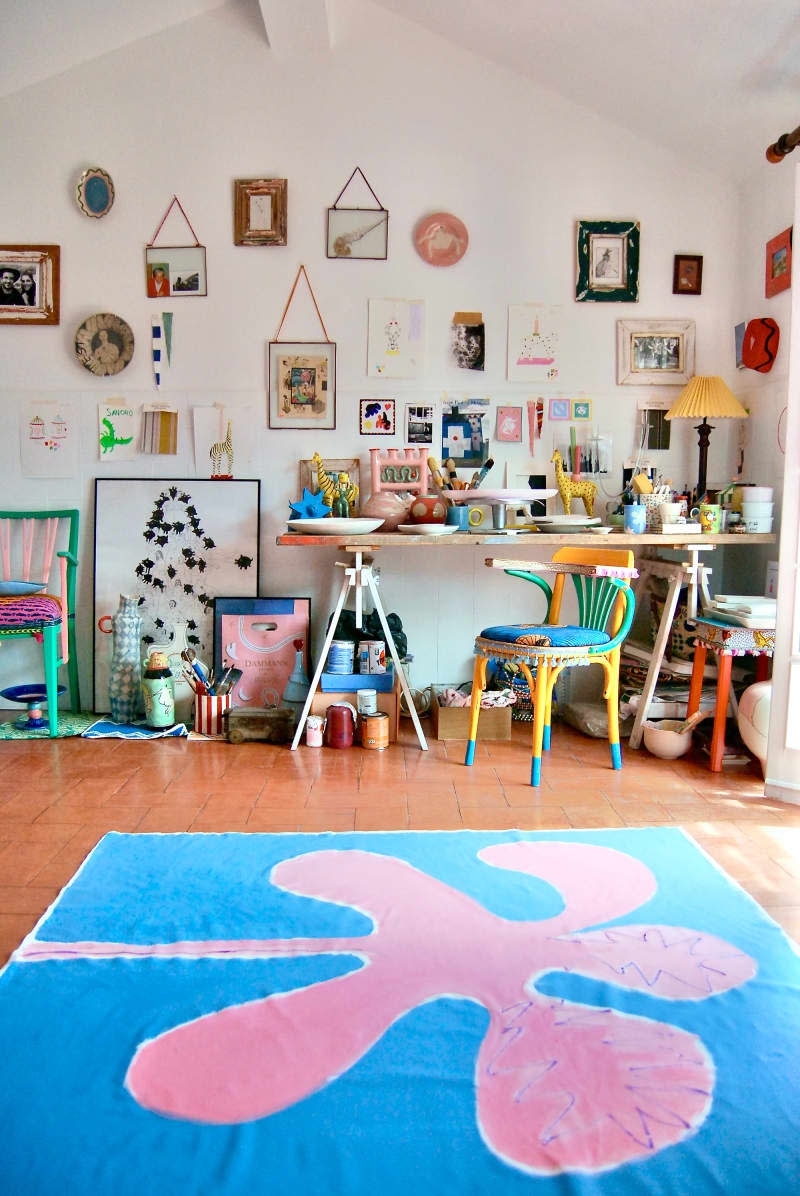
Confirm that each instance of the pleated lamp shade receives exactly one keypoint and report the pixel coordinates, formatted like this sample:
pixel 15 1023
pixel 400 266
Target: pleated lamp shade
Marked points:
pixel 701 398
pixel 704 397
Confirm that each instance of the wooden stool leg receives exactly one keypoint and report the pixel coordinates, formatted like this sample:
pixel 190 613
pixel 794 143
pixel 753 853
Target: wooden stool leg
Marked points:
pixel 696 685
pixel 721 712
pixel 478 686
pixel 762 668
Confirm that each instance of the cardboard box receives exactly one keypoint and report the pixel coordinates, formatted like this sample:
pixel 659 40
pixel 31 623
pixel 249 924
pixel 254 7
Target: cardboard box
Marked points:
pixel 452 722
pixel 388 703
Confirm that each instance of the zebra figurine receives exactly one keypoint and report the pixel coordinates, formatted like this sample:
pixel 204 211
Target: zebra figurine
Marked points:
pixel 215 453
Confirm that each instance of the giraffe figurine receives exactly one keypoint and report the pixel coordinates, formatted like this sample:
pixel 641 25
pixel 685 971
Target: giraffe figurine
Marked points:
pixel 326 483
pixel 568 488
pixel 215 453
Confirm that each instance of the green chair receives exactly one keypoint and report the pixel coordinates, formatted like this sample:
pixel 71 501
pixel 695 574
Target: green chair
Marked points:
pixel 28 544
pixel 544 650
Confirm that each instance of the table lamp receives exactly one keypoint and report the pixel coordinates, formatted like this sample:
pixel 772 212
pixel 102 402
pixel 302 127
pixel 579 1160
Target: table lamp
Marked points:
pixel 702 397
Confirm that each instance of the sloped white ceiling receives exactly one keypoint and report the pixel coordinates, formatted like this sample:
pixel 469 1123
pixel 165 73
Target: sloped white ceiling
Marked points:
pixel 718 79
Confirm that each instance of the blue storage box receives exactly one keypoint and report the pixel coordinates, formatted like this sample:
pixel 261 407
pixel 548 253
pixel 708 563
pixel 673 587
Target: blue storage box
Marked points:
pixel 351 682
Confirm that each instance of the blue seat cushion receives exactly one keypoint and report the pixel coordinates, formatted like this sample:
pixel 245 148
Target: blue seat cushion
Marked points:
pixel 540 635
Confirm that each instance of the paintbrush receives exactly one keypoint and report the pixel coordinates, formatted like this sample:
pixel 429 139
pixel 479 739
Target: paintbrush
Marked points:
pixel 481 474
pixel 231 678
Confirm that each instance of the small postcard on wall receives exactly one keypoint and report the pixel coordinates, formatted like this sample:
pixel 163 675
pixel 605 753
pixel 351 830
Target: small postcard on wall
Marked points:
pixel 48 439
pixel 419 424
pixel 116 431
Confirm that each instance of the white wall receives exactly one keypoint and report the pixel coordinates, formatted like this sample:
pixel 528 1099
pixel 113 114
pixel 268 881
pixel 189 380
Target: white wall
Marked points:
pixel 434 128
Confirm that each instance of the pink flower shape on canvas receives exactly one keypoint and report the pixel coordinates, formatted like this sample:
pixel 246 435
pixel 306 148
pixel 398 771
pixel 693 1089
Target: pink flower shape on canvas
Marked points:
pixel 560 1086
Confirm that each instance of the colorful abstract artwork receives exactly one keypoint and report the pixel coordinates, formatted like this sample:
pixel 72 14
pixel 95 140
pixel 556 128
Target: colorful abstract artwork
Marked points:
pixel 597 1009
pixel 533 342
pixel 377 417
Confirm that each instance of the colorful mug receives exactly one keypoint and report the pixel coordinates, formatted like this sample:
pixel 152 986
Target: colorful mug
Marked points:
pixel 464 517
pixel 709 516
pixel 635 518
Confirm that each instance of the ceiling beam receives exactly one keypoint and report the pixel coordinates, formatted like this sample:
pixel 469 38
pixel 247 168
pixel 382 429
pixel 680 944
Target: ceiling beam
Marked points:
pixel 298 27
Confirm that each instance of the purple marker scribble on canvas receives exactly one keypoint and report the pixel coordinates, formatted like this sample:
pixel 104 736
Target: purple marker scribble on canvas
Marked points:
pixel 560 1086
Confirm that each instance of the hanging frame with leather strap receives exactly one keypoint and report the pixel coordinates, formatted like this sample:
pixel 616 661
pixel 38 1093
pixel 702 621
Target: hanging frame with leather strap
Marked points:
pixel 301 375
pixel 358 233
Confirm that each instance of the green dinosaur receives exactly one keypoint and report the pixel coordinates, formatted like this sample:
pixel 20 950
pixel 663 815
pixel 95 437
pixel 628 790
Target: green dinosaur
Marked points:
pixel 109 439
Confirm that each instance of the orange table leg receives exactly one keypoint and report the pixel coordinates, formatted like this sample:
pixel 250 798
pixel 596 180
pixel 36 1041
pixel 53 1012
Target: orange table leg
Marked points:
pixel 721 712
pixel 696 686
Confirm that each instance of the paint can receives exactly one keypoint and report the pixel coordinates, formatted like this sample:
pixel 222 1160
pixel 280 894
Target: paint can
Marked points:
pixel 375 731
pixel 371 656
pixel 367 701
pixel 340 656
pixel 314 725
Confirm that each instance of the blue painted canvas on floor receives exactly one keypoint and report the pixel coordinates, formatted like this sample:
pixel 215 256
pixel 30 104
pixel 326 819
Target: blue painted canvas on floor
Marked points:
pixel 588 1012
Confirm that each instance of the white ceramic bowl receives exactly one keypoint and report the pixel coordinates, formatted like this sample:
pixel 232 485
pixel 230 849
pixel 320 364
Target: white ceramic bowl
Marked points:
pixel 753 510
pixel 662 738
pixel 757 493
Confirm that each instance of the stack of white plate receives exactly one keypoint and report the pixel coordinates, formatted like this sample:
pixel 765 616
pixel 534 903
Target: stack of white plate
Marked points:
pixel 757 516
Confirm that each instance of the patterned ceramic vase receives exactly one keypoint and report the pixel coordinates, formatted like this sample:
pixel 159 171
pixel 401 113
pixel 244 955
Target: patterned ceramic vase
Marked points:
pixel 125 685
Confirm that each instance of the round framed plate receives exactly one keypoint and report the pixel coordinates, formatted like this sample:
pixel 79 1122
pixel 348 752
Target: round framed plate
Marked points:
pixel 328 526
pixel 104 344
pixel 441 239
pixel 94 191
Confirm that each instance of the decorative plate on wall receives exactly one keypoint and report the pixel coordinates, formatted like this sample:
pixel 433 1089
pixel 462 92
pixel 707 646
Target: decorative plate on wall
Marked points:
pixel 104 344
pixel 94 191
pixel 441 239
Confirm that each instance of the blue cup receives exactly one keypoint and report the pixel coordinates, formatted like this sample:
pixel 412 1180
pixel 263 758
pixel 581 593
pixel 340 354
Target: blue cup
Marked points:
pixel 635 519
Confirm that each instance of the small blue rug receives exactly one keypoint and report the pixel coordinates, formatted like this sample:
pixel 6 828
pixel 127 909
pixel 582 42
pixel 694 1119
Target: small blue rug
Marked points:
pixel 106 728
pixel 580 1013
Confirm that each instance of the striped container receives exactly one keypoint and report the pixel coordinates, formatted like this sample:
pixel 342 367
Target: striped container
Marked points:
pixel 340 656
pixel 208 713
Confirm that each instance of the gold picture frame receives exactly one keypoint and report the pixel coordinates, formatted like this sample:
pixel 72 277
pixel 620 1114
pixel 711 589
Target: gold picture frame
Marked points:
pixel 259 211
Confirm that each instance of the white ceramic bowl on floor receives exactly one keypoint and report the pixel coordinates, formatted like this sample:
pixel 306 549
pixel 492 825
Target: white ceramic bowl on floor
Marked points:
pixel 662 738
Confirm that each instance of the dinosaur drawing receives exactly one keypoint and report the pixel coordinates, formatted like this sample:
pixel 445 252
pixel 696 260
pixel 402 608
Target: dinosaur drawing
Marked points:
pixel 109 439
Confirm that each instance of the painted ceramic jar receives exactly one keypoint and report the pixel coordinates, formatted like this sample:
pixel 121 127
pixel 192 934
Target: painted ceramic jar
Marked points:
pixel 159 700
pixel 427 508
pixel 125 678
pixel 182 690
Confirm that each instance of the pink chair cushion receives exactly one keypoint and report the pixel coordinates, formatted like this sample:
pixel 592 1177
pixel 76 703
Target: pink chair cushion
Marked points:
pixel 17 614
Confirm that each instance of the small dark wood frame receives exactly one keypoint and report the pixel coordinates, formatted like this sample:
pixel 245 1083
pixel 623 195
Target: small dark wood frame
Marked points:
pixel 694 288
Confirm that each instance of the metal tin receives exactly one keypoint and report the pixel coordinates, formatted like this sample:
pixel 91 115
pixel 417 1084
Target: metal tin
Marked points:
pixel 340 656
pixel 371 656
pixel 367 701
pixel 314 725
pixel 375 731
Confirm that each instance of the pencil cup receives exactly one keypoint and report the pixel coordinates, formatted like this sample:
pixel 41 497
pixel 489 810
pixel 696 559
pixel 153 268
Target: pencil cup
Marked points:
pixel 208 713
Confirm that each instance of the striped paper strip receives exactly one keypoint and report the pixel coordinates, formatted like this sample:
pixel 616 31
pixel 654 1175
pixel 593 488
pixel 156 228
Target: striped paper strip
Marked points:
pixel 159 431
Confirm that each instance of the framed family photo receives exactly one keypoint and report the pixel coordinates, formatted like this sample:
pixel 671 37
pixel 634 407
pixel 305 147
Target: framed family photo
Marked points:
pixel 655 352
pixel 779 264
pixel 259 211
pixel 30 284
pixel 302 384
pixel 176 271
pixel 607 261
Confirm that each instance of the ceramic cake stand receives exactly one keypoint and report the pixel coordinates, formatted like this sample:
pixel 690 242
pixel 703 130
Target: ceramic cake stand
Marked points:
pixel 34 697
pixel 499 500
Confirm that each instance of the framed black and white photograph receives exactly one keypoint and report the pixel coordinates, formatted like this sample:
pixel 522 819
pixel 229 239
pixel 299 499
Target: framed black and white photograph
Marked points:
pixel 175 271
pixel 29 284
pixel 419 424
pixel 607 253
pixel 655 352
pixel 176 544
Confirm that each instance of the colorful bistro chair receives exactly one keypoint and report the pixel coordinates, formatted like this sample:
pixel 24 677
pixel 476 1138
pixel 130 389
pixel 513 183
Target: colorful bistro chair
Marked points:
pixel 543 650
pixel 28 542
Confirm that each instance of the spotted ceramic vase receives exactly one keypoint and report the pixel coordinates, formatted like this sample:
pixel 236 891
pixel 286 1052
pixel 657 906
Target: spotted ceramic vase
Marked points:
pixel 125 684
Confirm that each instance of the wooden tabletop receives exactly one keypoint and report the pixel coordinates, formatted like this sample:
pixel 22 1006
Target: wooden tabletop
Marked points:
pixel 534 539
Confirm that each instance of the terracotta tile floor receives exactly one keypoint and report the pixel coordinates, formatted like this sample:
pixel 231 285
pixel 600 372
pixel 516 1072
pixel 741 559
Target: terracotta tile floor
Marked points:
pixel 58 799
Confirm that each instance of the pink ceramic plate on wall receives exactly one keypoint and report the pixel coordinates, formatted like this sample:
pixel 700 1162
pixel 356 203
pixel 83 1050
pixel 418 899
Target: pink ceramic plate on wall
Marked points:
pixel 441 239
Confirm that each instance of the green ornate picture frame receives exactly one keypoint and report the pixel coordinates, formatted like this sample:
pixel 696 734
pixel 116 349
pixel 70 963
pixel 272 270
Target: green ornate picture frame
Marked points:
pixel 607 261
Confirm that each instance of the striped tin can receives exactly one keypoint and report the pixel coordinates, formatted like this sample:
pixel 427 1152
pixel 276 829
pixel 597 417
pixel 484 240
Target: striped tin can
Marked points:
pixel 340 656
pixel 375 731
pixel 208 713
